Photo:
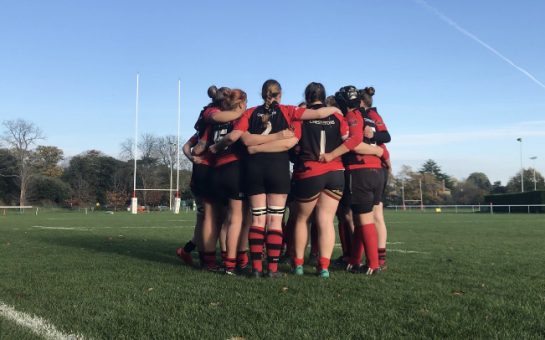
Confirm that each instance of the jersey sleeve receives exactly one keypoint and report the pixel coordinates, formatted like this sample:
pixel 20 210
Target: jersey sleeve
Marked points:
pixel 297 127
pixel 243 122
pixel 296 112
pixel 209 113
pixel 355 128
pixel 379 122
pixel 343 125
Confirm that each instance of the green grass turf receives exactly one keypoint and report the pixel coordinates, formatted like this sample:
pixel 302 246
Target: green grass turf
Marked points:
pixel 116 277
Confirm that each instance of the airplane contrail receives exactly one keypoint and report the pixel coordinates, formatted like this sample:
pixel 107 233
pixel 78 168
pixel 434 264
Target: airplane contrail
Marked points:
pixel 470 35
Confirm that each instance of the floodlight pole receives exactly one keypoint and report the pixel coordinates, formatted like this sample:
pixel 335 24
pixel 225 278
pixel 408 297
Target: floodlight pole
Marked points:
pixel 521 167
pixel 134 200
pixel 535 181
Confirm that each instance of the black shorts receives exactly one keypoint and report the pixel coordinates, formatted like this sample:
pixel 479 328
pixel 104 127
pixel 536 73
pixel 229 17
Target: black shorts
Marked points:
pixel 200 180
pixel 225 183
pixel 346 199
pixel 267 175
pixel 386 174
pixel 366 189
pixel 308 189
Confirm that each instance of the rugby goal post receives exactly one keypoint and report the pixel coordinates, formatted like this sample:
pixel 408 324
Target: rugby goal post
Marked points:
pixel 134 199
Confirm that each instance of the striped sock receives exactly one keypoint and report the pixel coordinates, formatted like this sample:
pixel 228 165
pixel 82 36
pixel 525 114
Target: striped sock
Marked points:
pixel 381 256
pixel 256 238
pixel 274 247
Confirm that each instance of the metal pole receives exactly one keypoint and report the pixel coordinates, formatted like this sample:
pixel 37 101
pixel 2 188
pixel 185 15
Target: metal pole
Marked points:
pixel 403 193
pixel 170 187
pixel 534 166
pixel 135 133
pixel 421 196
pixel 178 146
pixel 521 167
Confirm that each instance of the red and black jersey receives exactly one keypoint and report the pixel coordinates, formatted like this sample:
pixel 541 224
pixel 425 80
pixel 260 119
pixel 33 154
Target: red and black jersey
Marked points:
pixel 215 132
pixel 381 133
pixel 352 160
pixel 262 121
pixel 316 137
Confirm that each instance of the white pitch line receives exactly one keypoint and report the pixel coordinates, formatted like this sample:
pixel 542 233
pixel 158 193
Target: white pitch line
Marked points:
pixel 56 228
pixel 35 324
pixel 397 250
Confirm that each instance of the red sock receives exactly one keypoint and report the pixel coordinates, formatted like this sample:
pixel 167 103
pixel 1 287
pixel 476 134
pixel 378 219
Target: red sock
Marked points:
pixel 210 259
pixel 274 247
pixel 381 256
pixel 370 239
pixel 313 239
pixel 323 263
pixel 357 246
pixel 230 263
pixel 298 262
pixel 242 259
pixel 256 238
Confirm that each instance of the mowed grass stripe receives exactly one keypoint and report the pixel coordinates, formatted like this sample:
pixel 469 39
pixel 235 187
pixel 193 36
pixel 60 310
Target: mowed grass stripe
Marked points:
pixel 483 277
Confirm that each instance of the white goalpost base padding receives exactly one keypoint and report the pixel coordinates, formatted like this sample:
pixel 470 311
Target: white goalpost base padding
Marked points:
pixel 177 202
pixel 134 205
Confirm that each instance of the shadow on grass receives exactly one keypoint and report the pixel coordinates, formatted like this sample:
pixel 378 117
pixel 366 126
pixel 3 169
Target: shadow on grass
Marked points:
pixel 140 248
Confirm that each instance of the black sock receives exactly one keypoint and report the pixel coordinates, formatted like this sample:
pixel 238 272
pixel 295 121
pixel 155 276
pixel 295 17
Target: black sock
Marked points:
pixel 189 247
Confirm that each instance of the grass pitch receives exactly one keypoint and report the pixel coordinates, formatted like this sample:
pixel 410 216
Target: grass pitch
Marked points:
pixel 116 277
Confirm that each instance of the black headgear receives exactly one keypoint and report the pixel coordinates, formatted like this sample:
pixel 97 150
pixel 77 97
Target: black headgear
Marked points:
pixel 348 98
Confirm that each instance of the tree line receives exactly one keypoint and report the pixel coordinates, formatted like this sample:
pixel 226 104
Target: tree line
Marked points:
pixel 32 173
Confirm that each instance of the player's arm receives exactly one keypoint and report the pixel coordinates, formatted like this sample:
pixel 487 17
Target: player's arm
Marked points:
pixel 320 113
pixel 250 139
pixel 355 137
pixel 367 149
pixel 186 149
pixel 280 145
pixel 226 141
pixel 226 116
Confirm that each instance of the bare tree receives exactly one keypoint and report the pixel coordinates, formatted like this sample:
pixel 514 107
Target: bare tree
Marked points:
pixel 20 137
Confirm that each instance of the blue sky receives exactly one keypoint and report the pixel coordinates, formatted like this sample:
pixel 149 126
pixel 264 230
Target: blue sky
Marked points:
pixel 70 67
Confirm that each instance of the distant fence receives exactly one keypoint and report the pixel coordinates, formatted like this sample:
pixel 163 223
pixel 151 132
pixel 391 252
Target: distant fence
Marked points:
pixel 475 208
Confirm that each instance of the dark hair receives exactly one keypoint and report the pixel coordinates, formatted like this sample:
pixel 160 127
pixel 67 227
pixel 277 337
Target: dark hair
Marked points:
pixel 314 92
pixel 270 86
pixel 217 95
pixel 232 98
pixel 330 101
pixel 367 95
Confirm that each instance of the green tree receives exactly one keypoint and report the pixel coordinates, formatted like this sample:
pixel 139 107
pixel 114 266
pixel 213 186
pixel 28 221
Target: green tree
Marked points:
pixel 514 183
pixel 431 167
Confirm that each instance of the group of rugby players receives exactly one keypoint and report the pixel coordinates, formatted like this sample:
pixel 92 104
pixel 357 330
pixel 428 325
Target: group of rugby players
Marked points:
pixel 241 181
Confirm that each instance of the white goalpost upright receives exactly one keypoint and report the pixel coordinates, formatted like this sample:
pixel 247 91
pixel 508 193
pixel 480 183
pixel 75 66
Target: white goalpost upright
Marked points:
pixel 177 201
pixel 134 199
